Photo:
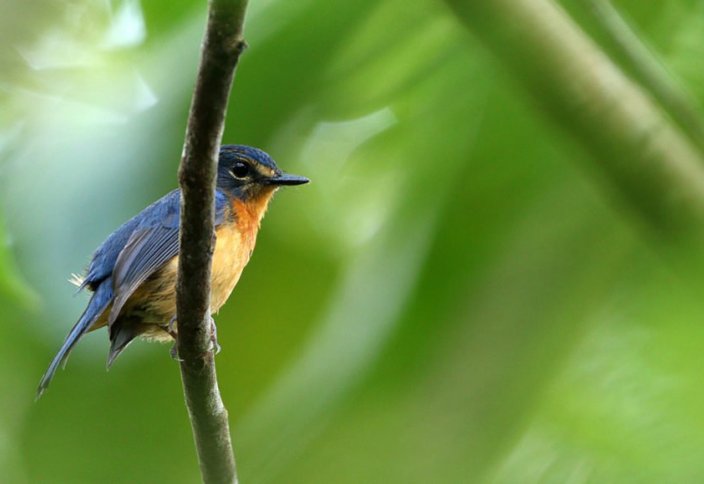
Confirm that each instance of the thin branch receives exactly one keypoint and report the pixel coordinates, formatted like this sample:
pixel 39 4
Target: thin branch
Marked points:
pixel 222 45
pixel 637 149
pixel 648 70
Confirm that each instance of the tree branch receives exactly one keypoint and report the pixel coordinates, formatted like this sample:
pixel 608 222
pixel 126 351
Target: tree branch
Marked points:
pixel 637 149
pixel 222 45
pixel 648 70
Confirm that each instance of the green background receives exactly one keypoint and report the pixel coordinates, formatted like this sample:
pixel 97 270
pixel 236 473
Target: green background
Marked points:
pixel 455 298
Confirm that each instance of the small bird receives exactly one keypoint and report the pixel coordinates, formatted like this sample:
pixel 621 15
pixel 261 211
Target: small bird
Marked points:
pixel 132 275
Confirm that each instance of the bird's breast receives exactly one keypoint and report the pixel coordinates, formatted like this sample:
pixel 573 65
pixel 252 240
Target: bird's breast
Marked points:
pixel 233 247
pixel 155 299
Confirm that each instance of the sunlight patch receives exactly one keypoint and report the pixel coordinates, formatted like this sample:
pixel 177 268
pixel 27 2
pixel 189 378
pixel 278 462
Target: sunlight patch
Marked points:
pixel 127 28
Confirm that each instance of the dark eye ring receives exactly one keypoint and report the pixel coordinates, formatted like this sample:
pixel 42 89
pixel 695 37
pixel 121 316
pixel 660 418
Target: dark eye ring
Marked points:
pixel 240 169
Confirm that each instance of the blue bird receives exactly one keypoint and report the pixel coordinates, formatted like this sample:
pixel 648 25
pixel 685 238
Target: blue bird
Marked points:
pixel 132 275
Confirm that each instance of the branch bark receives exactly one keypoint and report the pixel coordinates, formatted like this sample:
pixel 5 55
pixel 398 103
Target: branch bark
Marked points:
pixel 637 149
pixel 222 45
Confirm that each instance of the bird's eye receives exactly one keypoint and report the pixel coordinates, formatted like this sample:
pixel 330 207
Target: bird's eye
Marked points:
pixel 240 170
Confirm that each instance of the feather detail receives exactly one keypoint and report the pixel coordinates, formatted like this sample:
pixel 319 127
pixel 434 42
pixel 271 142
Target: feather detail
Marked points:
pixel 76 280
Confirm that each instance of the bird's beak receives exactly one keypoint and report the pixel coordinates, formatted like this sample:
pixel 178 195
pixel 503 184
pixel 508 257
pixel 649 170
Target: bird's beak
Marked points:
pixel 287 179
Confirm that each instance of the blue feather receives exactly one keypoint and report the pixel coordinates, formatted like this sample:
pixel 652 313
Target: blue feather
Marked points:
pixel 98 303
pixel 164 213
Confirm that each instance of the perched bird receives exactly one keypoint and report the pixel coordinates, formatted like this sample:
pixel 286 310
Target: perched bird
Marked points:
pixel 132 275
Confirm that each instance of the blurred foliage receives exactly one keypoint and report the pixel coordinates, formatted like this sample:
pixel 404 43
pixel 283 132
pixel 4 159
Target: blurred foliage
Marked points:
pixel 451 300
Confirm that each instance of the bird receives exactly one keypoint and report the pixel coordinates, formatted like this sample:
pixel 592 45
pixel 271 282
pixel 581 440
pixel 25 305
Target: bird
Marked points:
pixel 132 274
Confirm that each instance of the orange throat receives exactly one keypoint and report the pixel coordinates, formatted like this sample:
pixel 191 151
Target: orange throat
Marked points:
pixel 249 214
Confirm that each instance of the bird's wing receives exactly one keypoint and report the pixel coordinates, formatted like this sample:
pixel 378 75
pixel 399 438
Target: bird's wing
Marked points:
pixel 153 243
pixel 105 257
pixel 146 251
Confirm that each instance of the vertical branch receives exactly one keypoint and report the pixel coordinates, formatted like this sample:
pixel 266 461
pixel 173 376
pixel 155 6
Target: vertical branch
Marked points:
pixel 222 45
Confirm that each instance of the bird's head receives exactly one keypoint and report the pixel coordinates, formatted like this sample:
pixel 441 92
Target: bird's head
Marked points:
pixel 250 175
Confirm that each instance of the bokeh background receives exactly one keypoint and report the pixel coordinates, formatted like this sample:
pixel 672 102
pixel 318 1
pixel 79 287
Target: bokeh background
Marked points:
pixel 454 298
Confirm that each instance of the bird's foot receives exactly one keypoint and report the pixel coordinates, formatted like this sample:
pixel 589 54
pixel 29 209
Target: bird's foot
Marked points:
pixel 173 352
pixel 171 327
pixel 214 345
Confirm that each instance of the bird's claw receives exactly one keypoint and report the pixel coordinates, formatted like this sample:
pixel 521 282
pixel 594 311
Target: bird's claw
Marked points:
pixel 171 329
pixel 214 345
pixel 173 352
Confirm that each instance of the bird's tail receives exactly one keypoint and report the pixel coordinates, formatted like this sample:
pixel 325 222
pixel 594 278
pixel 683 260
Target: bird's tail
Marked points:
pixel 120 336
pixel 97 305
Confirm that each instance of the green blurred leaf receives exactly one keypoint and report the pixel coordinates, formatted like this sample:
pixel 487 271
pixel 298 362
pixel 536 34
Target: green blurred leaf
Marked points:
pixel 12 285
